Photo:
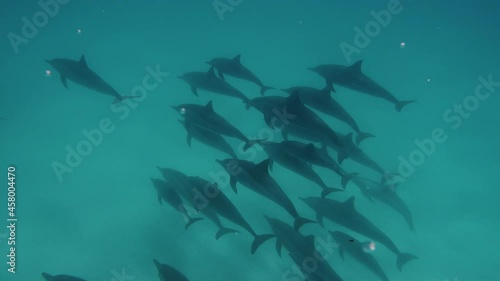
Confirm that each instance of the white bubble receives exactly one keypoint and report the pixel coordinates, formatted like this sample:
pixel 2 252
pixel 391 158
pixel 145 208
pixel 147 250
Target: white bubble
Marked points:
pixel 369 247
pixel 183 111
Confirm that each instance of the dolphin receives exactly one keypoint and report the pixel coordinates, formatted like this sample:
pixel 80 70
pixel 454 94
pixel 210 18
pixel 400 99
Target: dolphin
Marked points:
pixel 257 178
pixel 386 194
pixel 278 153
pixel 209 82
pixel 224 207
pixel 166 192
pixel 301 249
pixel 353 78
pixel 319 157
pixel 356 249
pixel 205 117
pixel 168 273
pixel 207 137
pixel 322 100
pixel 61 277
pixel 344 213
pixel 80 73
pixel 184 188
pixel 233 67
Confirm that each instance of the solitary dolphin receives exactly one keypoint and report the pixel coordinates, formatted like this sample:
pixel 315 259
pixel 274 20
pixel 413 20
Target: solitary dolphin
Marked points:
pixel 322 100
pixel 386 194
pixel 320 157
pixel 344 213
pixel 353 78
pixel 209 82
pixel 224 207
pixel 205 117
pixel 184 188
pixel 168 273
pixel 277 152
pixel 356 249
pixel 302 250
pixel 80 73
pixel 168 193
pixel 257 178
pixel 233 67
pixel 207 137
pixel 61 277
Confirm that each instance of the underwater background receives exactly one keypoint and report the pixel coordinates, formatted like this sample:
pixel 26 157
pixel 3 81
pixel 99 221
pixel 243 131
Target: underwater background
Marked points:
pixel 103 217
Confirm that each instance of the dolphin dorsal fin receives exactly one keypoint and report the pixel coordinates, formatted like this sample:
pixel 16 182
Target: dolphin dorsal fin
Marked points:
pixel 355 68
pixel 83 61
pixel 326 91
pixel 209 106
pixel 350 202
pixel 293 101
pixel 348 138
pixel 263 166
pixel 237 58
pixel 211 72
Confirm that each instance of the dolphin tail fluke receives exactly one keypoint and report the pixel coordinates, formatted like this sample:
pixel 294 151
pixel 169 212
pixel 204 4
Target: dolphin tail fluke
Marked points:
pixel 346 178
pixel 258 240
pixel 122 98
pixel 263 89
pixel 362 136
pixel 191 221
pixel 224 231
pixel 403 258
pixel 400 104
pixel 328 190
pixel 250 143
pixel 300 221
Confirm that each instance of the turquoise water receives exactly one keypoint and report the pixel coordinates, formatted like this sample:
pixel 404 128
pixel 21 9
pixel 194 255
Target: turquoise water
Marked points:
pixel 103 217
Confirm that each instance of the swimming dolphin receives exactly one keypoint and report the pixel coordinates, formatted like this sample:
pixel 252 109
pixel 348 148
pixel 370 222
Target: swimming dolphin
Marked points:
pixel 322 100
pixel 356 249
pixel 319 157
pixel 80 73
pixel 224 207
pixel 386 194
pixel 256 177
pixel 184 188
pixel 301 249
pixel 233 67
pixel 209 82
pixel 168 273
pixel 344 213
pixel 166 192
pixel 353 78
pixel 278 153
pixel 207 137
pixel 61 277
pixel 205 117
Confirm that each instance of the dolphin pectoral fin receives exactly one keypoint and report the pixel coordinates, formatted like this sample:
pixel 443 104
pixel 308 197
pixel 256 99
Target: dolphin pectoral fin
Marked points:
pixel 159 199
pixel 191 221
pixel 194 91
pixel 346 178
pixel 233 184
pixel 361 136
pixel 258 240
pixel 403 258
pixel 64 81
pixel 319 219
pixel 400 104
pixel 221 75
pixel 279 245
pixel 341 252
pixel 300 221
pixel 223 231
